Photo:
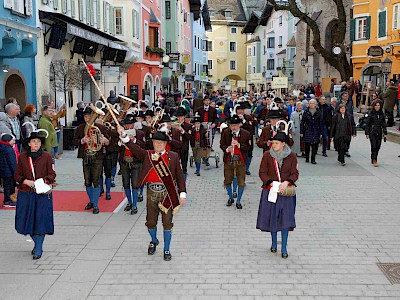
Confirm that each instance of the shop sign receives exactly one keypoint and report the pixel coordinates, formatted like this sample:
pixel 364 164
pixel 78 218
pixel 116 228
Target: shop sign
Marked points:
pixel 375 51
pixel 241 83
pixel 173 56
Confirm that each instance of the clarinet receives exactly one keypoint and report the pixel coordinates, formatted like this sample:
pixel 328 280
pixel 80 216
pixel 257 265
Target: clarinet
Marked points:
pixel 233 147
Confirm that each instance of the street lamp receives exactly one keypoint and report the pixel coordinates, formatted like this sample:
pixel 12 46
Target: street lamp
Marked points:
pixel 303 62
pixel 317 74
pixel 386 68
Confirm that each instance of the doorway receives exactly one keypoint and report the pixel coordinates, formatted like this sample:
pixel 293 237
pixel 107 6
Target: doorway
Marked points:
pixel 15 88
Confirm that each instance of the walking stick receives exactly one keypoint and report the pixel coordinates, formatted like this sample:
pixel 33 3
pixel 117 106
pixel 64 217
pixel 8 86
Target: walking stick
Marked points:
pixel 101 94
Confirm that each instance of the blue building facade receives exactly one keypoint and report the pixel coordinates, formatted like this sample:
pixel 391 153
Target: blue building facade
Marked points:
pixel 18 48
pixel 200 24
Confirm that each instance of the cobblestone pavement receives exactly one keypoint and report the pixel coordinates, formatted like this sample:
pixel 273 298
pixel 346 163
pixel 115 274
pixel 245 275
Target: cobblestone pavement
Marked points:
pixel 347 221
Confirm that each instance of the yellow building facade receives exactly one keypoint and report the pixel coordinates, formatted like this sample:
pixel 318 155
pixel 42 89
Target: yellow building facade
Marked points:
pixel 227 54
pixel 375 36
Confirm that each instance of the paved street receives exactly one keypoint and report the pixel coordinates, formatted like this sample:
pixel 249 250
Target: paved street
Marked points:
pixel 348 219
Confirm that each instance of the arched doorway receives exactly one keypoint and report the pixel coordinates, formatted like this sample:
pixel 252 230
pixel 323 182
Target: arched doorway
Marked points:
pixel 148 88
pixel 331 34
pixel 374 74
pixel 15 88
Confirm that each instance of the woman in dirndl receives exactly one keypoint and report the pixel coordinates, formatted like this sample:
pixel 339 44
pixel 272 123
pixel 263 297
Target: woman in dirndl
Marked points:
pixel 278 172
pixel 34 212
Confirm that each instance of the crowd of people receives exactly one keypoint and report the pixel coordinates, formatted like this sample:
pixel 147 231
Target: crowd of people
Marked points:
pixel 151 146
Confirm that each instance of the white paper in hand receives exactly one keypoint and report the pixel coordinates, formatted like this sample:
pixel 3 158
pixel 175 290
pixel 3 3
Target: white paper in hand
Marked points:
pixel 41 187
pixel 273 192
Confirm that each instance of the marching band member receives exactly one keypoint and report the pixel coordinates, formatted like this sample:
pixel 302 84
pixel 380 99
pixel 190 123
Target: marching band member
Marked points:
pixel 185 129
pixel 197 142
pixel 235 143
pixel 209 118
pixel 86 137
pixel 149 115
pixel 130 165
pixel 278 172
pixel 166 188
pixel 174 134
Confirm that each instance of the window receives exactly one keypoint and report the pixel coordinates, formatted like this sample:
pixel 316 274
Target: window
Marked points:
pixel 146 33
pixel 382 24
pixel 212 14
pixel 232 46
pixel 254 69
pixel 153 37
pixel 280 20
pixel 271 42
pixel 270 64
pixel 232 64
pixel 204 45
pixel 135 23
pixel 168 9
pixel 361 28
pixel 195 41
pixel 185 15
pixel 118 20
pixel 248 51
pixel 233 30
pixel 210 64
pixel 23 7
pixel 168 47
pixel 228 14
pixel 254 51
pixel 248 68
pixel 264 34
pixel 280 41
pixel 270 25
pixel 264 49
pixel 396 15
pixel 209 46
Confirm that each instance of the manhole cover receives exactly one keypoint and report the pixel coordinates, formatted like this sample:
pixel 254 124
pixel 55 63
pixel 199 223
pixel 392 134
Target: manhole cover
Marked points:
pixel 391 271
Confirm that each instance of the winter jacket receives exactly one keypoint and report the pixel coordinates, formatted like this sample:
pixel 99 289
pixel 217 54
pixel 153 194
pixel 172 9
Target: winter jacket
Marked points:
pixel 51 140
pixel 350 125
pixel 389 98
pixel 310 127
pixel 376 123
pixel 5 126
pixel 326 116
pixel 8 160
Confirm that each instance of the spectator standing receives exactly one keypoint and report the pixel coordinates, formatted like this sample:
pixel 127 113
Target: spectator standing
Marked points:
pixel 325 122
pixel 50 143
pixel 358 91
pixel 296 117
pixel 310 130
pixel 197 102
pixel 13 111
pixel 374 129
pixel 389 100
pixel 318 90
pixel 29 116
pixel 296 92
pixel 351 86
pixel 8 165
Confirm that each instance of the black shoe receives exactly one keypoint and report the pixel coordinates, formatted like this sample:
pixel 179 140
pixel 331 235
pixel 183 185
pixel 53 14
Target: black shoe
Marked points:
pixel 273 250
pixel 230 202
pixel 119 172
pixel 328 148
pixel 198 174
pixel 128 207
pixel 347 154
pixel 152 248
pixel 313 162
pixel 324 155
pixel 239 206
pixel 307 160
pixel 89 206
pixel 167 255
pixel 343 164
pixel 140 198
pixel 303 155
pixel 134 210
pixel 285 255
pixel 207 164
pixel 96 210
pixel 248 173
pixel 101 193
pixel 108 197
pixel 234 195
pixel 35 257
pixel 113 184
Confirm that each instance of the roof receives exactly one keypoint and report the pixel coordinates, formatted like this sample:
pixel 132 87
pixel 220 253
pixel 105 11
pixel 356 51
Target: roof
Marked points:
pixel 314 16
pixel 282 52
pixel 195 6
pixel 252 23
pixel 206 16
pixel 153 17
pixel 292 42
pixel 220 6
pixel 255 39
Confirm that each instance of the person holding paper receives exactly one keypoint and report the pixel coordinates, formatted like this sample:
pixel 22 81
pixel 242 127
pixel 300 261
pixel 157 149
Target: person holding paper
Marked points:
pixel 278 172
pixel 34 212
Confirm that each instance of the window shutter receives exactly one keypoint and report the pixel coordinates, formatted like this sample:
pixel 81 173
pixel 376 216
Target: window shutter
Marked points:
pixel 81 9
pixel 91 20
pixel 64 6
pixel 133 23
pixel 157 41
pixel 368 31
pixel 55 4
pixel 9 4
pixel 382 24
pixel 98 14
pixel 353 30
pixel 112 20
pixel 28 7
pixel 88 11
pixel 73 8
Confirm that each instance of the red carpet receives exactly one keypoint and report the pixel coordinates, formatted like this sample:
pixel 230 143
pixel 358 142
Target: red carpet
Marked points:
pixel 77 200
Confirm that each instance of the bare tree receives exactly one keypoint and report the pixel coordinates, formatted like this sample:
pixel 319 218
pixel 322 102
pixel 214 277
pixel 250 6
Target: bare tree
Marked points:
pixel 339 62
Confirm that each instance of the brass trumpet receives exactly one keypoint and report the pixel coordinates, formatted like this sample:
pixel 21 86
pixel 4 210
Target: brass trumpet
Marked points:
pixel 125 104
pixel 156 120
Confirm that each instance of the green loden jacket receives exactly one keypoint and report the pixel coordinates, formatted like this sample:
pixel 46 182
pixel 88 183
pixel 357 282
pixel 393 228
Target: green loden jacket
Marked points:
pixel 51 141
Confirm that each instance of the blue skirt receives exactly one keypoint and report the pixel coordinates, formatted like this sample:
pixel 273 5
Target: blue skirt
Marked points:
pixel 34 214
pixel 274 217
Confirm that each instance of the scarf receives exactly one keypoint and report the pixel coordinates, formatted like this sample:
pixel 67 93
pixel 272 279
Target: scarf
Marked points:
pixel 312 111
pixel 282 155
pixel 35 155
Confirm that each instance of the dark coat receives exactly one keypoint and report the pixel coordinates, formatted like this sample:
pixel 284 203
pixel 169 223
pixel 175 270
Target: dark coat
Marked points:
pixel 244 141
pixel 349 105
pixel 266 134
pixel 186 135
pixel 376 123
pixel 389 98
pixel 174 166
pixel 212 114
pixel 289 171
pixel 350 126
pixel 176 140
pixel 80 133
pixel 310 127
pixel 197 103
pixel 203 142
pixel 326 115
pixel 43 169
pixel 8 160
pixel 114 138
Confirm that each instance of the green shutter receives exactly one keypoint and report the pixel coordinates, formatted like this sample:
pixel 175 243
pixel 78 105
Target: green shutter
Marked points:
pixel 382 24
pixel 352 30
pixel 368 32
